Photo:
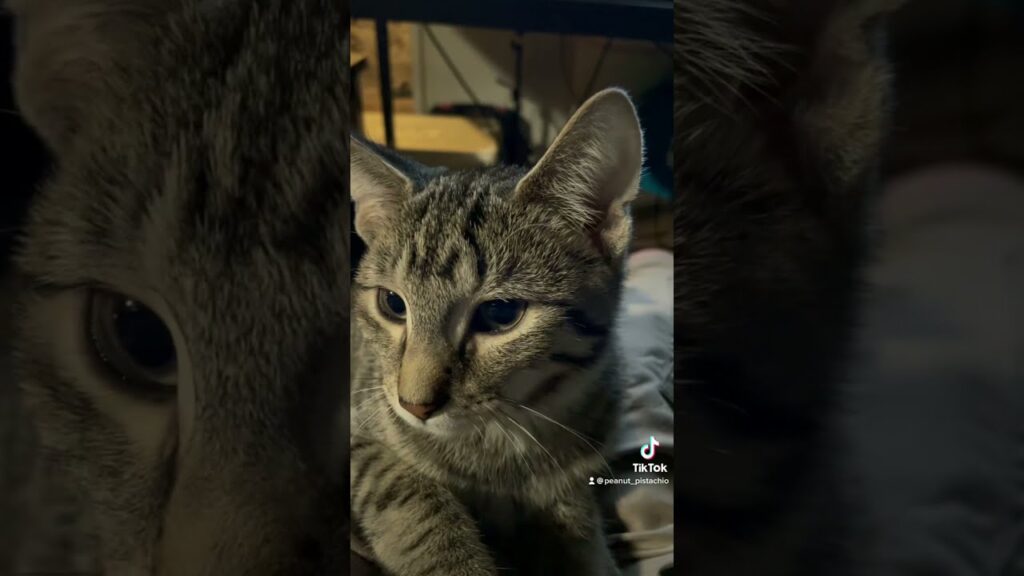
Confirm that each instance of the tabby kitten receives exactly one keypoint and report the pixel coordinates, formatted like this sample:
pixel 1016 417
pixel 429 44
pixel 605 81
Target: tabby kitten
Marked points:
pixel 183 285
pixel 485 365
pixel 780 113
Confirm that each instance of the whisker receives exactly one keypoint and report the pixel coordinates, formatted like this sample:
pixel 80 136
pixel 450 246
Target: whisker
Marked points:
pixel 502 428
pixel 568 429
pixel 479 430
pixel 366 400
pixel 372 416
pixel 364 405
pixel 534 438
pixel 522 449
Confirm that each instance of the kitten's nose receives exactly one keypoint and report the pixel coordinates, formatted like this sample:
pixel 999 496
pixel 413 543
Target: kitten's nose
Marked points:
pixel 422 411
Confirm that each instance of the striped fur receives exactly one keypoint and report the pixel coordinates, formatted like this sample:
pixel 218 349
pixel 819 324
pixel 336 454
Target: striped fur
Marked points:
pixel 497 479
pixel 781 109
pixel 200 169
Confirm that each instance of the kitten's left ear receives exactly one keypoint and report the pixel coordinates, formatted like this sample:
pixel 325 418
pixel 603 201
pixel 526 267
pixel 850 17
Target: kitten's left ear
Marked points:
pixel 592 170
pixel 77 61
pixel 378 190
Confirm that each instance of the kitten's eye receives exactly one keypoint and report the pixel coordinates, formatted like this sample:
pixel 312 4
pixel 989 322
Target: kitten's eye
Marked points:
pixel 391 305
pixel 132 340
pixel 498 315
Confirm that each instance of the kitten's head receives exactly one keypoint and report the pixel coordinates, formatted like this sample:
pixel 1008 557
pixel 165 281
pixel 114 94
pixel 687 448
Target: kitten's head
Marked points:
pixel 184 313
pixel 485 289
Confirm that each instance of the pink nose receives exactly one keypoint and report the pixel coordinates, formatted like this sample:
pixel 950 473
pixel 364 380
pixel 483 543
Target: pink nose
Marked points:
pixel 421 411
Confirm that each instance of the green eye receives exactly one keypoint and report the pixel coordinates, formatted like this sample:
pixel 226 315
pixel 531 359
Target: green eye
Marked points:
pixel 496 316
pixel 391 305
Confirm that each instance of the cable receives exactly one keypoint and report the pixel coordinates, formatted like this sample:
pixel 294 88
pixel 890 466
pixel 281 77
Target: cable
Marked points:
pixel 597 70
pixel 565 71
pixel 451 65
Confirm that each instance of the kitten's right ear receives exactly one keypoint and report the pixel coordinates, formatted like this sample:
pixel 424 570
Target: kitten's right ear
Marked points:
pixel 378 190
pixel 592 170
pixel 75 57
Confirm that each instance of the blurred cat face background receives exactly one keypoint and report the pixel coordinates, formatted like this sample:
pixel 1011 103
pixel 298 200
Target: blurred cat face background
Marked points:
pixel 199 194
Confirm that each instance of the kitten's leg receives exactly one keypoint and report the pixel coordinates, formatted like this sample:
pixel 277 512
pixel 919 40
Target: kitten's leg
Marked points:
pixel 413 525
pixel 582 539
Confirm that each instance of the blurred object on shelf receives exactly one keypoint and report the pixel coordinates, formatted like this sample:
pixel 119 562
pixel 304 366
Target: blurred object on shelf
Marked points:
pixel 357 67
pixel 510 130
pixel 436 140
pixel 364 42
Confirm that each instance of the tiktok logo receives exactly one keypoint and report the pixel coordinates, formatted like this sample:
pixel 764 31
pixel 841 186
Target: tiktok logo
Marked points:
pixel 647 450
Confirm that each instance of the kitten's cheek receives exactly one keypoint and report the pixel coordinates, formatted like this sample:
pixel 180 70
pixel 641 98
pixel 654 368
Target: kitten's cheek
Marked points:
pixel 54 328
pixel 525 386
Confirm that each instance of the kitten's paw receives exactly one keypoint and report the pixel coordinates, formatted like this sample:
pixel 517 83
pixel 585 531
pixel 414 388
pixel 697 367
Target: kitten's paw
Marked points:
pixel 575 518
pixel 441 560
pixel 603 564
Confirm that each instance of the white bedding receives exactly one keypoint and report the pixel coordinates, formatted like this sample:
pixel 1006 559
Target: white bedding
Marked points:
pixel 645 329
pixel 937 408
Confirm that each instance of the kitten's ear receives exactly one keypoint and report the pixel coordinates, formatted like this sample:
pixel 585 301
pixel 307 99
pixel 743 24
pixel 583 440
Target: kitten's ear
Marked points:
pixel 378 190
pixel 592 170
pixel 75 57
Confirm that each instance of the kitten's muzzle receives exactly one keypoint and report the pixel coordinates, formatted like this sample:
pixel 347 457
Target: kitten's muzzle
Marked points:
pixel 424 411
pixel 424 380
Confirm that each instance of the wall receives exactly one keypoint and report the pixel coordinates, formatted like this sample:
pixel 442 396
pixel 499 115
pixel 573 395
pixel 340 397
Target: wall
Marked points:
pixel 556 71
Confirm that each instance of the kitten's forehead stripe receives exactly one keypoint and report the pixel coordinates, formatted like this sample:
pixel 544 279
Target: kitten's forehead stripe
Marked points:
pixel 433 251
pixel 473 223
pixel 241 168
pixel 447 271
pixel 413 255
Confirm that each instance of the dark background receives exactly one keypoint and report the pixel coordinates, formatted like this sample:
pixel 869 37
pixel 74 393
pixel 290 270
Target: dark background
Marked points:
pixel 23 160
